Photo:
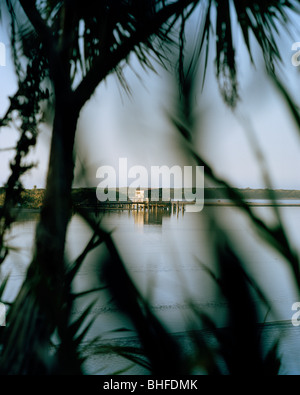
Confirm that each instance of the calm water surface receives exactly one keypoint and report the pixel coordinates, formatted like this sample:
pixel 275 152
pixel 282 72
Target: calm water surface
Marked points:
pixel 162 252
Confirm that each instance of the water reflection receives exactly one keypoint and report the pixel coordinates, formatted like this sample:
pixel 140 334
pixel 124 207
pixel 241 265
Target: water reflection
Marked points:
pixel 141 217
pixel 152 217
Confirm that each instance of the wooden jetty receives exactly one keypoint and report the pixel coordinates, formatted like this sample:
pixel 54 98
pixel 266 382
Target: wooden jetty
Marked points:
pixel 171 206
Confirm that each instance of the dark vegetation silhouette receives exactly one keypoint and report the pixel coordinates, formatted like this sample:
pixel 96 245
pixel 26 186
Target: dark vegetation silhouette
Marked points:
pixel 62 50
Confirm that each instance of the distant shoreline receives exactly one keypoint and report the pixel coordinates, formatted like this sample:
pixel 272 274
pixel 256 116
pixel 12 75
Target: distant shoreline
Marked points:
pixel 254 202
pixel 86 197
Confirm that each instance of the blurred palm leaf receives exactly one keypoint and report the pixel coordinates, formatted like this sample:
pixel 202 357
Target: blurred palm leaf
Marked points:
pixel 162 351
pixel 260 20
pixel 3 287
pixel 240 343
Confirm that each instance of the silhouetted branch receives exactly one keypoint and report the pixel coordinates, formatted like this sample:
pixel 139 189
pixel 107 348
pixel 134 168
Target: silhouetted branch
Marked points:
pixel 101 69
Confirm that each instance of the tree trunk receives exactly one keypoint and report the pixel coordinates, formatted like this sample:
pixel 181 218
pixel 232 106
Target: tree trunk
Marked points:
pixel 35 312
pixel 56 211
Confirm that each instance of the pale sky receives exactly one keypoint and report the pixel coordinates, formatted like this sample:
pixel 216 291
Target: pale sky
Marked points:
pixel 114 126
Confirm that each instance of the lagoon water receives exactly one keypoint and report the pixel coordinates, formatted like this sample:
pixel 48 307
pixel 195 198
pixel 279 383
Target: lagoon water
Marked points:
pixel 164 253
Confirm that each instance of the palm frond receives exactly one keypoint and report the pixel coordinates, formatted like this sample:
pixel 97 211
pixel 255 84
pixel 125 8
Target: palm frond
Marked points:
pixel 258 20
pixel 84 33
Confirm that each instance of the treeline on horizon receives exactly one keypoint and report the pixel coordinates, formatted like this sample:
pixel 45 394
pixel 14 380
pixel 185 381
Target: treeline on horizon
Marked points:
pixel 33 198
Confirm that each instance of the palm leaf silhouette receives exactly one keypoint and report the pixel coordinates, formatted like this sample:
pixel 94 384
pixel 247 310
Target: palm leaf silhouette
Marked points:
pixel 73 46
